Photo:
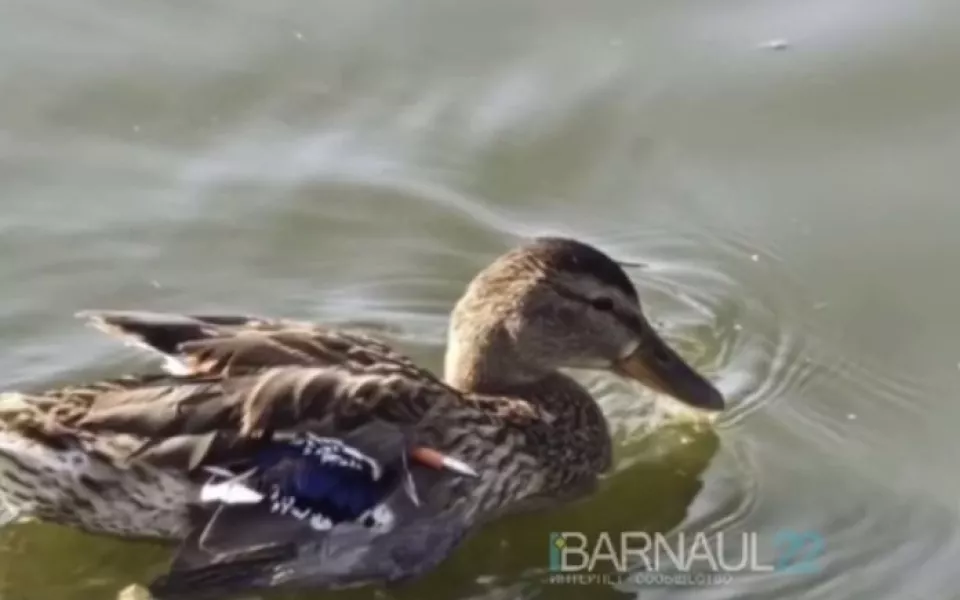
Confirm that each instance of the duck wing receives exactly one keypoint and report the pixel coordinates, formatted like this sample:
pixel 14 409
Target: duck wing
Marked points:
pixel 246 375
pixel 297 517
pixel 252 390
pixel 191 343
pixel 237 547
pixel 215 416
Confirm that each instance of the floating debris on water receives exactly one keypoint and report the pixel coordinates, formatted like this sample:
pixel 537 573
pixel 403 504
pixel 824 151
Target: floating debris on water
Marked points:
pixel 298 35
pixel 852 417
pixel 755 257
pixel 775 44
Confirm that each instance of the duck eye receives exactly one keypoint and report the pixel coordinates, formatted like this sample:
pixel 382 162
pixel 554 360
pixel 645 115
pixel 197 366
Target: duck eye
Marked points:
pixel 602 303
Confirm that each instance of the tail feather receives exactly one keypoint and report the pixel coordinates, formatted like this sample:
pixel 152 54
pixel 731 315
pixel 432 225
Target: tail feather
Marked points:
pixel 163 333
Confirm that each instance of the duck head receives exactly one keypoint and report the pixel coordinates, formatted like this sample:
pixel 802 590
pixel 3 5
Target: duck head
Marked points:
pixel 559 303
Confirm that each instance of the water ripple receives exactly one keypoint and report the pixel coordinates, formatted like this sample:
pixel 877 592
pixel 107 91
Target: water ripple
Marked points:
pixel 702 298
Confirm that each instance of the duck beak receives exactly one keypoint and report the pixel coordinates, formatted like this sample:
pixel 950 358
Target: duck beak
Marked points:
pixel 656 365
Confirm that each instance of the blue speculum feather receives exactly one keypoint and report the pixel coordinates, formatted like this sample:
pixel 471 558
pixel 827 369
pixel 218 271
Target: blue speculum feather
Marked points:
pixel 324 476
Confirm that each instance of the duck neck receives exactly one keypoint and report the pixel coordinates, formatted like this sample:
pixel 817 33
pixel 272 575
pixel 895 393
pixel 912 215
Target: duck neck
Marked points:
pixel 484 364
pixel 482 360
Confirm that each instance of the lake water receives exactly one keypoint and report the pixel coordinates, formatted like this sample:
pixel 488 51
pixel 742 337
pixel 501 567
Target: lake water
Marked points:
pixel 786 170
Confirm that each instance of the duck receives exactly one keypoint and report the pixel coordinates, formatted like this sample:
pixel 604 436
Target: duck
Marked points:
pixel 285 454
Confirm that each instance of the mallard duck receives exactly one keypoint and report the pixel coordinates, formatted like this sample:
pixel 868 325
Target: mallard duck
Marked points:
pixel 281 453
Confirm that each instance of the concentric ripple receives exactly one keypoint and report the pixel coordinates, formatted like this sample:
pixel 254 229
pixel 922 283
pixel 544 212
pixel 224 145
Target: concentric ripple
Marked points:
pixel 702 298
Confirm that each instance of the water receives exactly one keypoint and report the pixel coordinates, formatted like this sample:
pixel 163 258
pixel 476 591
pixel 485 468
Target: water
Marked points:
pixel 793 203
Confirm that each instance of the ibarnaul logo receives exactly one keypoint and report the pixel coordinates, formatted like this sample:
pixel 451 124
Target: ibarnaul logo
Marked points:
pixel 557 543
pixel 703 557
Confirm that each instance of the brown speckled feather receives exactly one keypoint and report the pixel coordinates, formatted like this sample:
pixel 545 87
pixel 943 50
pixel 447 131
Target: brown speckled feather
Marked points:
pixel 253 376
pixel 230 342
